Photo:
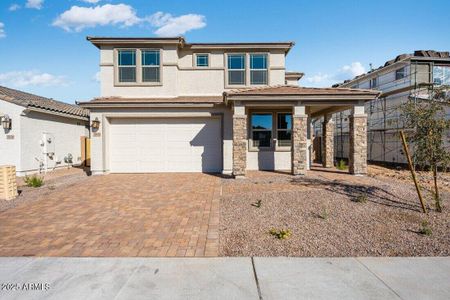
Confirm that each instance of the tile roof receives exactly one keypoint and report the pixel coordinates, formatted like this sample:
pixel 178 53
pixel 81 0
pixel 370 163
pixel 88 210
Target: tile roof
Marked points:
pixel 178 100
pixel 418 54
pixel 298 91
pixel 31 100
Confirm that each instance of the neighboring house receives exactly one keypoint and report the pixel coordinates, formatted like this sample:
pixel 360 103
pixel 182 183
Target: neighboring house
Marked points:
pixel 171 106
pixel 407 77
pixel 38 133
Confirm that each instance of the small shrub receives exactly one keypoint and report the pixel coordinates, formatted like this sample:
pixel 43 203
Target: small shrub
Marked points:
pixel 257 204
pixel 341 165
pixel 34 181
pixel 281 234
pixel 425 228
pixel 323 214
pixel 361 198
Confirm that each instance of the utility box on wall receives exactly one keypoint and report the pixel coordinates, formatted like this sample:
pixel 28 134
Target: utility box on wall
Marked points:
pixel 48 146
pixel 8 183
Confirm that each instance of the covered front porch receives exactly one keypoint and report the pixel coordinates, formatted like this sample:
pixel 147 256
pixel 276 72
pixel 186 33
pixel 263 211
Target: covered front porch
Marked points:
pixel 272 127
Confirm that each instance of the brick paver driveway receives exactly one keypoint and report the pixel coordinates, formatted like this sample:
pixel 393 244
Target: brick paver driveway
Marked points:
pixel 118 215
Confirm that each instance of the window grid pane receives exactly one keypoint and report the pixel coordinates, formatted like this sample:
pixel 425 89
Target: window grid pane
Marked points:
pixel 150 74
pixel 150 58
pixel 127 58
pixel 284 121
pixel 262 138
pixel 236 62
pixel 236 77
pixel 202 60
pixel 127 74
pixel 258 77
pixel 258 61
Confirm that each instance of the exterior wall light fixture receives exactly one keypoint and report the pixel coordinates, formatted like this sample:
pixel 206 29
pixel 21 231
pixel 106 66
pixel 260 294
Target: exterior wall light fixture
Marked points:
pixel 6 122
pixel 95 124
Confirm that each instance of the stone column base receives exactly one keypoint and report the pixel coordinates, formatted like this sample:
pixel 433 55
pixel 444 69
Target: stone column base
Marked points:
pixel 299 146
pixel 239 145
pixel 358 145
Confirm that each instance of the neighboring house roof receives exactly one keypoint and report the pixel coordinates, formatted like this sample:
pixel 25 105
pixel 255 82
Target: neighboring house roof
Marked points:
pixel 148 101
pixel 417 55
pixel 41 103
pixel 291 90
pixel 99 41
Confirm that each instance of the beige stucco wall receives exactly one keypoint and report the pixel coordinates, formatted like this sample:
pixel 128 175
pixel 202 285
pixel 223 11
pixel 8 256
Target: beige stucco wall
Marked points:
pixel 100 142
pixel 24 150
pixel 10 147
pixel 179 75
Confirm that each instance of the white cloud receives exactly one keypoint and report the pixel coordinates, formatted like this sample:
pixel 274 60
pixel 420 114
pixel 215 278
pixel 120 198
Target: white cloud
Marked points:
pixel 318 78
pixel 36 4
pixel 2 30
pixel 168 25
pixel 77 18
pixel 14 7
pixel 91 1
pixel 96 77
pixel 352 70
pixel 31 78
pixel 346 72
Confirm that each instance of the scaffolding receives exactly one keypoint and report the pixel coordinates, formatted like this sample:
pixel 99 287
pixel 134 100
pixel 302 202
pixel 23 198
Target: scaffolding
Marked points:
pixel 384 115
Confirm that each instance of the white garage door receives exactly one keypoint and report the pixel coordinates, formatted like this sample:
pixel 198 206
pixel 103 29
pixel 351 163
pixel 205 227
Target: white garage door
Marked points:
pixel 165 145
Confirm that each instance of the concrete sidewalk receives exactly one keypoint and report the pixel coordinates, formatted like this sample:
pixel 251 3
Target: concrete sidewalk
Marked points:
pixel 225 278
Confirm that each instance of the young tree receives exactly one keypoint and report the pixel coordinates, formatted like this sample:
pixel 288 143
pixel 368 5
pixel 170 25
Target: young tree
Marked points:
pixel 429 124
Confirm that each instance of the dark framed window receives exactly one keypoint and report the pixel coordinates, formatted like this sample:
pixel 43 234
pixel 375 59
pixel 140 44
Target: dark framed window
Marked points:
pixel 127 65
pixel 261 127
pixel 284 129
pixel 202 60
pixel 236 69
pixel 400 73
pixel 151 65
pixel 258 69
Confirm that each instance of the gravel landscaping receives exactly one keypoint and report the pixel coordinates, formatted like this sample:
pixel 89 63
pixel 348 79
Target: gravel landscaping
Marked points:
pixel 324 217
pixel 52 180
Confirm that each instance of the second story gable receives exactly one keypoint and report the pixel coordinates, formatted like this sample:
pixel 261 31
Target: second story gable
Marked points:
pixel 170 67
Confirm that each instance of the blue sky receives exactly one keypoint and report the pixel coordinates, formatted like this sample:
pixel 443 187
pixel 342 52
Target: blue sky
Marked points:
pixel 43 48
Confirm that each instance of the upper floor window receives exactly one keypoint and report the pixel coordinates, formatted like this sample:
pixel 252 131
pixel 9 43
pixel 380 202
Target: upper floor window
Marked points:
pixel 441 75
pixel 127 65
pixel 202 60
pixel 400 73
pixel 373 82
pixel 138 66
pixel 236 69
pixel 150 65
pixel 258 69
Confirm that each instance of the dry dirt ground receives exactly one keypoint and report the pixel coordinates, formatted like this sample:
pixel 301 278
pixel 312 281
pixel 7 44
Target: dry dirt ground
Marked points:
pixel 320 211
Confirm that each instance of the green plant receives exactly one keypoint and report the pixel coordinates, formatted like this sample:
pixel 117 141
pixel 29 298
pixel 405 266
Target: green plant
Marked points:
pixel 341 165
pixel 34 181
pixel 429 124
pixel 281 234
pixel 425 228
pixel 323 214
pixel 361 198
pixel 257 204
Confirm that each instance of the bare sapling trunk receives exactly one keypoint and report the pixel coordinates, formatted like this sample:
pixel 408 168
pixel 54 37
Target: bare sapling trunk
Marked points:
pixel 437 198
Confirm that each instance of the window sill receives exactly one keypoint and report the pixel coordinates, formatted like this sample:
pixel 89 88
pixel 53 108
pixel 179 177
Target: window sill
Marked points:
pixel 137 84
pixel 269 150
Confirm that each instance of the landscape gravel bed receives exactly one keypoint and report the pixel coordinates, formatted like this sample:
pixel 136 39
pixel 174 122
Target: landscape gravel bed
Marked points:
pixel 324 218
pixel 52 181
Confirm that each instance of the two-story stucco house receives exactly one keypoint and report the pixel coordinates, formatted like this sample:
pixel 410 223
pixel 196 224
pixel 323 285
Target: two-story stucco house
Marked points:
pixel 171 106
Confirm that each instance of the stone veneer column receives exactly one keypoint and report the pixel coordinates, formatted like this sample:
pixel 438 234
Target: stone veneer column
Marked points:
pixel 328 142
pixel 358 144
pixel 239 142
pixel 299 137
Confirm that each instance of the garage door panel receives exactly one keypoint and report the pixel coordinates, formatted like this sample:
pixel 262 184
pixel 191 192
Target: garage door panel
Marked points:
pixel 165 145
